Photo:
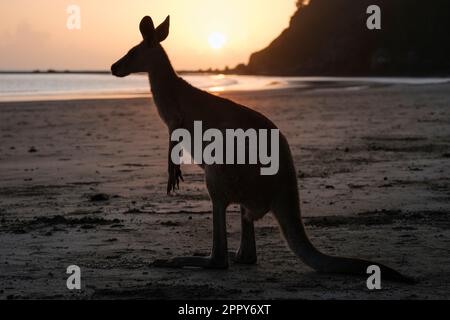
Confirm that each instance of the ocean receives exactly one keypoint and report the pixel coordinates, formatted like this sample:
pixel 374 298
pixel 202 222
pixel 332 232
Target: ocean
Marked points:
pixel 34 87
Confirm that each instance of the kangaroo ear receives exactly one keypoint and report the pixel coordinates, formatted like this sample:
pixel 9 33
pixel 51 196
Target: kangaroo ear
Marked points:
pixel 162 31
pixel 147 28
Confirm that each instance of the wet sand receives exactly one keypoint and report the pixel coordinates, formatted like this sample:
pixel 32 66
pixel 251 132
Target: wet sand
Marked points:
pixel 83 182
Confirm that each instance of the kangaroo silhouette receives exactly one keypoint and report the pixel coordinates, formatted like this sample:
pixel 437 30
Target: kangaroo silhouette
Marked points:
pixel 179 104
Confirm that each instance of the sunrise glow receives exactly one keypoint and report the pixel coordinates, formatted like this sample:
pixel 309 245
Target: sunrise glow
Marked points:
pixel 204 34
pixel 217 40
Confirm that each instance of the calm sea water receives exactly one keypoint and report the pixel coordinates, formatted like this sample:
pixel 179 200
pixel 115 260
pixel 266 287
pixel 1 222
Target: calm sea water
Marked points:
pixel 29 87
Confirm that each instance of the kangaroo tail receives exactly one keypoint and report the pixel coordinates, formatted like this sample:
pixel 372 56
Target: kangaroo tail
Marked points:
pixel 292 227
pixel 286 208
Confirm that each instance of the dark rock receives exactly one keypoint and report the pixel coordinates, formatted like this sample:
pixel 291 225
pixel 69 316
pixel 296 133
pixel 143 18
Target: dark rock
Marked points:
pixel 99 197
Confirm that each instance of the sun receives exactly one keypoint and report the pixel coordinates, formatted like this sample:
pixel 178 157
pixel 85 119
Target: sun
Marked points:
pixel 217 40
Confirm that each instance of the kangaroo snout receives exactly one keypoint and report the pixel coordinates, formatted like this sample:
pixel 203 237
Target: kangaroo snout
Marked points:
pixel 118 71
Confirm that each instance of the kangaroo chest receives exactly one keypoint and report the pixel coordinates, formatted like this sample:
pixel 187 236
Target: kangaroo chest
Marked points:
pixel 168 110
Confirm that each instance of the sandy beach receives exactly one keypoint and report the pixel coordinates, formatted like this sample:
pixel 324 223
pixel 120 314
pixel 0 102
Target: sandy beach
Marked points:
pixel 84 183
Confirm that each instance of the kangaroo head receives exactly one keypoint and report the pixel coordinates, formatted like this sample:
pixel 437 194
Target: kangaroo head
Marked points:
pixel 148 53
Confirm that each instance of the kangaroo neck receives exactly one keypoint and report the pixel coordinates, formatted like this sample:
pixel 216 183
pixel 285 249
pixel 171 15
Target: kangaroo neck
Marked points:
pixel 164 81
pixel 165 86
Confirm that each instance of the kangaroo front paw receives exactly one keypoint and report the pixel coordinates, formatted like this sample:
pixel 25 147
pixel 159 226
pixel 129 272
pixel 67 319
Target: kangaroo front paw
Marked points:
pixel 195 262
pixel 175 176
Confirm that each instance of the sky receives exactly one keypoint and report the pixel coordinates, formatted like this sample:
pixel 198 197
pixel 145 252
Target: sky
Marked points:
pixel 203 33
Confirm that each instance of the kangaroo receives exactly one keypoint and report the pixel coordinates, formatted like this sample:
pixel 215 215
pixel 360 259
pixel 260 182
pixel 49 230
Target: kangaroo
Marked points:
pixel 179 104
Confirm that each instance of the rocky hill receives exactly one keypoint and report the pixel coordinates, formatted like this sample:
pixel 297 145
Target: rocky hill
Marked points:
pixel 330 37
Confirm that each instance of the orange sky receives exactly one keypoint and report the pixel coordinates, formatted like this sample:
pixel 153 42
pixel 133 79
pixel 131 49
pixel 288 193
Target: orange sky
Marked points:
pixel 33 34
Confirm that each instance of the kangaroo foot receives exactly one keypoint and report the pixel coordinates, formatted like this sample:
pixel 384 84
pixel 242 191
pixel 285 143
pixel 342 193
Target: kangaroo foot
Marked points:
pixel 244 258
pixel 196 262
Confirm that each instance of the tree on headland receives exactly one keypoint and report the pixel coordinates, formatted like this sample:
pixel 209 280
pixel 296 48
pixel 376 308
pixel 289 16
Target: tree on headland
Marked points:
pixel 302 3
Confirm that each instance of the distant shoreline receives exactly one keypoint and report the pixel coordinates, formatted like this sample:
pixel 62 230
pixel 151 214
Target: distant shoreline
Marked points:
pixel 91 72
pixel 53 72
pixel 228 72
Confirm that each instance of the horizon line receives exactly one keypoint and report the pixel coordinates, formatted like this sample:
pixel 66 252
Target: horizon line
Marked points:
pixel 93 71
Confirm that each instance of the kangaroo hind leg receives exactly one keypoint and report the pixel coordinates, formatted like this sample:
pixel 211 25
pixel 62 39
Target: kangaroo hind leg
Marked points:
pixel 246 253
pixel 219 254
